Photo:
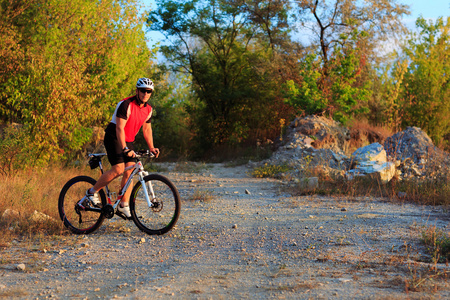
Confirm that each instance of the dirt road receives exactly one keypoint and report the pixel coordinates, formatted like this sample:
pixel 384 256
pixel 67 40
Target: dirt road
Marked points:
pixel 252 240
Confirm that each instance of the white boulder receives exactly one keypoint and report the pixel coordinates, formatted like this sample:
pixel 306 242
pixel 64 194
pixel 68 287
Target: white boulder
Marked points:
pixel 371 160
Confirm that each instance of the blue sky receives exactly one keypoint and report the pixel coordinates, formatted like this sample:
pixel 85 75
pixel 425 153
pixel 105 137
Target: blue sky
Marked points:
pixel 429 9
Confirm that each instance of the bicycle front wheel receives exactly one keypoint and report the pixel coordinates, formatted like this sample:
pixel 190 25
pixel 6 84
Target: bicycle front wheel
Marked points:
pixel 164 211
pixel 79 221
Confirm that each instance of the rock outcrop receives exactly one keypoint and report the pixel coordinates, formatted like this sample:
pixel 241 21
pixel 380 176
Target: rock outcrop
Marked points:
pixel 317 132
pixel 411 143
pixel 321 143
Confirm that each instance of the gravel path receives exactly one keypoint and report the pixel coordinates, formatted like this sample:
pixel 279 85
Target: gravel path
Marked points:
pixel 251 240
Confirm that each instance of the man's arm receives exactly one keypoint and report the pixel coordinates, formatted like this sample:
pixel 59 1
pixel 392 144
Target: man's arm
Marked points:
pixel 148 136
pixel 120 132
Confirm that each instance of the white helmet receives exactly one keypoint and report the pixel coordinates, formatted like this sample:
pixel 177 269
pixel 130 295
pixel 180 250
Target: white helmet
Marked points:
pixel 145 83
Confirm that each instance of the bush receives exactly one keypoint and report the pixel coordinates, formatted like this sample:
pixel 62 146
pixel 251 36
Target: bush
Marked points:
pixel 270 171
pixel 13 141
pixel 438 243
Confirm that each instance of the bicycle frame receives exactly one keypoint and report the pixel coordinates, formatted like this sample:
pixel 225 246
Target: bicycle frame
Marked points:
pixel 138 169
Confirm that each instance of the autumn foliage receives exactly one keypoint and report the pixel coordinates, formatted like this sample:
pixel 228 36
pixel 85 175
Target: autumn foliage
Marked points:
pixel 230 71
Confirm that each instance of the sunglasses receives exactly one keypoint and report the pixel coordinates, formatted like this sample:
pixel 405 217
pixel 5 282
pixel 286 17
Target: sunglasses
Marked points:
pixel 144 91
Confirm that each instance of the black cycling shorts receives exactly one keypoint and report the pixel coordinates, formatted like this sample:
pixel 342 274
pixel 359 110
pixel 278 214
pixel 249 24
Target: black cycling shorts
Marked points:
pixel 114 150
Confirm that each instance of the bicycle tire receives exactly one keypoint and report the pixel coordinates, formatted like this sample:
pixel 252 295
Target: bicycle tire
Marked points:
pixel 163 216
pixel 70 194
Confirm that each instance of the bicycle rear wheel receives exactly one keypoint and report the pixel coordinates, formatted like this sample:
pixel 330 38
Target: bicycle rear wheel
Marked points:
pixel 165 210
pixel 77 220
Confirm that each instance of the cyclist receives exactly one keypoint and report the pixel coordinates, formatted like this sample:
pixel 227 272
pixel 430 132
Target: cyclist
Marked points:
pixel 130 115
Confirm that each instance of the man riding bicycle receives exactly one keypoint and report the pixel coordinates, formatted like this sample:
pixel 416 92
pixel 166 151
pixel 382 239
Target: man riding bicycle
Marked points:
pixel 130 115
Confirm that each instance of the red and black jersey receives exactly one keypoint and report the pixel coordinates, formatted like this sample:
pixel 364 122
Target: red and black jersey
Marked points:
pixel 129 109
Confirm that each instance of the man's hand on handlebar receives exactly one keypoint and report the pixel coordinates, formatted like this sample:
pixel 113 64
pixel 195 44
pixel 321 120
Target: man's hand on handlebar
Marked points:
pixel 129 153
pixel 155 151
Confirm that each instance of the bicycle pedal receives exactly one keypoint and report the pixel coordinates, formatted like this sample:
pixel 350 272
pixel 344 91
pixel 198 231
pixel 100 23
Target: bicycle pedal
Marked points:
pixel 123 216
pixel 80 206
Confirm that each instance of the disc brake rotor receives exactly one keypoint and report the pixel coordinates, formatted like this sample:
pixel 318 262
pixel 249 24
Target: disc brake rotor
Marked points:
pixel 157 205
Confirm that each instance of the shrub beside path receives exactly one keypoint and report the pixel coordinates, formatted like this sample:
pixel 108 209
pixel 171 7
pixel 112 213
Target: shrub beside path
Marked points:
pixel 248 239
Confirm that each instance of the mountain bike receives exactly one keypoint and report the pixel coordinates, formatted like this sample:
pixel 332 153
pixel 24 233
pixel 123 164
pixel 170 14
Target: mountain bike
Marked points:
pixel 154 201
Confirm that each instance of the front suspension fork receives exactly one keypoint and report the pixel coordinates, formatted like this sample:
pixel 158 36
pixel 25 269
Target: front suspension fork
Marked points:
pixel 147 188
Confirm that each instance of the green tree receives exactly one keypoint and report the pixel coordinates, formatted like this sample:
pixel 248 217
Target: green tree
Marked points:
pixel 425 90
pixel 349 93
pixel 82 57
pixel 306 96
pixel 170 122
pixel 337 74
pixel 343 95
pixel 12 55
pixel 223 46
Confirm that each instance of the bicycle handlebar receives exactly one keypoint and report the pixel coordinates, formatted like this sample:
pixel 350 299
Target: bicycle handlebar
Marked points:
pixel 139 154
pixel 143 153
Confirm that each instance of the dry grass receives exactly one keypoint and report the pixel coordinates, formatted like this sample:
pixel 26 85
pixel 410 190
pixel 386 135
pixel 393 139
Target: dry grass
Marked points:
pixel 34 190
pixel 431 190
pixel 358 187
pixel 202 195
pixel 422 279
pixel 362 134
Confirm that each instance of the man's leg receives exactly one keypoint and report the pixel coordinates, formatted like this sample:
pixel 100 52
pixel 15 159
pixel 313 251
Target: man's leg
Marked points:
pixel 126 175
pixel 109 176
pixel 104 179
